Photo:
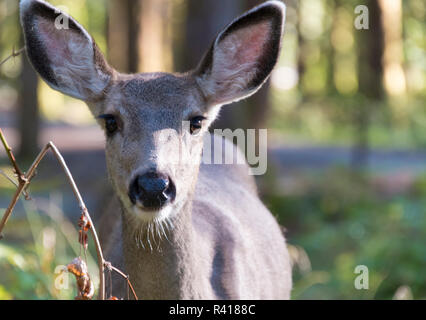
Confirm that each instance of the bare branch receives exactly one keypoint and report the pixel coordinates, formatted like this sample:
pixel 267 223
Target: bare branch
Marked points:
pixel 27 196
pixel 13 55
pixel 12 205
pixel 25 180
pixel 110 267
pixel 84 211
pixel 11 157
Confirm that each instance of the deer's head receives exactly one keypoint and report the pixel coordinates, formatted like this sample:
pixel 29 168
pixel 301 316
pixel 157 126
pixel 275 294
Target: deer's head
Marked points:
pixel 154 123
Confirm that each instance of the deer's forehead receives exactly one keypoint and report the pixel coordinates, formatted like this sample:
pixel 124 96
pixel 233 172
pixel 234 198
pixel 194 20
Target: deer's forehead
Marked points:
pixel 154 100
pixel 163 91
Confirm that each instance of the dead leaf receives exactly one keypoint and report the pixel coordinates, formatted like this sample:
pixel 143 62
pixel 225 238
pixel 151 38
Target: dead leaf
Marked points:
pixel 84 284
pixel 85 226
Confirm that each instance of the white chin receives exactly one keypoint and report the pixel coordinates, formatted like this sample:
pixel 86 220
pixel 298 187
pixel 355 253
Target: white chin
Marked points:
pixel 148 216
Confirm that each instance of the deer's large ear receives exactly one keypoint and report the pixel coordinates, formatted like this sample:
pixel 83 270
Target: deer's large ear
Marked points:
pixel 62 52
pixel 243 55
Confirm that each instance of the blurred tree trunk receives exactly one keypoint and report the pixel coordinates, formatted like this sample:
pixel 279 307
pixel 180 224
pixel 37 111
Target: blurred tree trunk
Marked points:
pixel 370 73
pixel 139 35
pixel 154 43
pixel 134 20
pixel 28 114
pixel 333 7
pixel 301 66
pixel 118 34
pixel 393 56
pixel 204 20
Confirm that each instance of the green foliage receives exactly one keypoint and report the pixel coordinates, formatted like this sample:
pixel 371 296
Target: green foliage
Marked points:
pixel 343 221
pixel 35 250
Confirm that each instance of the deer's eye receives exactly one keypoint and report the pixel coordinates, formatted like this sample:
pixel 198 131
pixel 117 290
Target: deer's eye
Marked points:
pixel 196 124
pixel 111 125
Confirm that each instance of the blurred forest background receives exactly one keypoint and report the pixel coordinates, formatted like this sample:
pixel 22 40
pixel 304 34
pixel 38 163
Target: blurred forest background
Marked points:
pixel 346 117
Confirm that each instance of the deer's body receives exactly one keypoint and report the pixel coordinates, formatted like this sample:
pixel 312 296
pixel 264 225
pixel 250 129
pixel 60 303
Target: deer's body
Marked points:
pixel 187 230
pixel 252 263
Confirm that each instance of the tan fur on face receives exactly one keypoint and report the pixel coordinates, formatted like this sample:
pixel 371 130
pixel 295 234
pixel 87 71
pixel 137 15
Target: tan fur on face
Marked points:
pixel 151 109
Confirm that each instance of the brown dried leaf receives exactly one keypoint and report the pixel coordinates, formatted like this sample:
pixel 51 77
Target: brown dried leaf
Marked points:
pixel 84 222
pixel 82 238
pixel 84 284
pixel 84 225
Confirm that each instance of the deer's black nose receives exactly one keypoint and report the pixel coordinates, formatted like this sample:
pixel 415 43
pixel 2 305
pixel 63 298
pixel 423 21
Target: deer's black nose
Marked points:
pixel 153 190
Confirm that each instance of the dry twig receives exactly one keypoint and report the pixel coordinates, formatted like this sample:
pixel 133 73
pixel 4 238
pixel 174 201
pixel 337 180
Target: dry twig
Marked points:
pixel 110 267
pixel 23 182
pixel 12 159
pixel 84 284
pixel 13 55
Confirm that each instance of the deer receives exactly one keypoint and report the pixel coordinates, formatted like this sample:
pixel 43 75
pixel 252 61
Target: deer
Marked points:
pixel 184 229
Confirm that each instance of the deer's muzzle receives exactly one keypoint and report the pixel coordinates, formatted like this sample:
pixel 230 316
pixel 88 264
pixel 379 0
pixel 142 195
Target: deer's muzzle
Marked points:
pixel 152 190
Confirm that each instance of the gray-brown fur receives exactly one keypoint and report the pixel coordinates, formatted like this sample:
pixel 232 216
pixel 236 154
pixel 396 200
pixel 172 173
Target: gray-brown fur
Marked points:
pixel 215 240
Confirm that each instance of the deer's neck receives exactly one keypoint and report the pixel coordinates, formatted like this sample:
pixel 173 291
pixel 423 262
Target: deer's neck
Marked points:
pixel 161 260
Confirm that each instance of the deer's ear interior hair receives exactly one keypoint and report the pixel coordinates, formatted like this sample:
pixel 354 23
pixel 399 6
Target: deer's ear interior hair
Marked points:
pixel 62 52
pixel 243 55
